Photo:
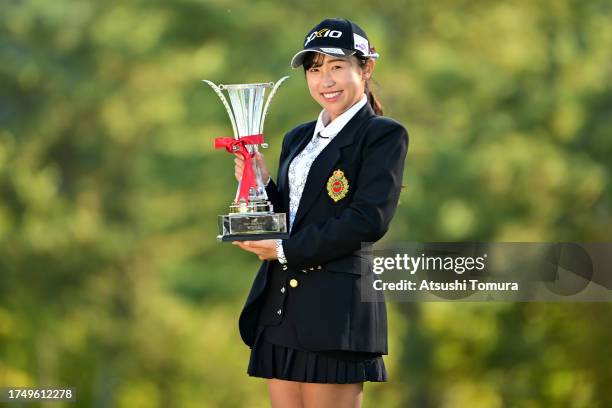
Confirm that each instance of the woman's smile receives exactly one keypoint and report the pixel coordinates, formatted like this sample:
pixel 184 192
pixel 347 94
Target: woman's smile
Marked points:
pixel 331 96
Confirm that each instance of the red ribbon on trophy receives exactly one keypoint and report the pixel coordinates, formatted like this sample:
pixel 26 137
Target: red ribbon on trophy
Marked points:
pixel 239 146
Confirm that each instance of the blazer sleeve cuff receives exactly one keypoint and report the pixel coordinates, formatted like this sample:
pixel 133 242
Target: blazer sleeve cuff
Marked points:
pixel 280 253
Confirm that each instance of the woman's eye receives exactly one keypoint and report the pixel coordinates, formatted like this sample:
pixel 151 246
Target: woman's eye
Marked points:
pixel 337 67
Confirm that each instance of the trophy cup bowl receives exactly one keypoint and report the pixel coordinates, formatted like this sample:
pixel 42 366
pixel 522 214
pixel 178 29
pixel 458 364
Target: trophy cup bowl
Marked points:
pixel 251 216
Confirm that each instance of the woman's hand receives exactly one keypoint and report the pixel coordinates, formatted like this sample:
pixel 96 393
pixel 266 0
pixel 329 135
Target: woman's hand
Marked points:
pixel 264 249
pixel 259 159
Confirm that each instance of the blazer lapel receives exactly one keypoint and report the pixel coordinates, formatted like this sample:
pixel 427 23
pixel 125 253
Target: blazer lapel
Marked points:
pixel 322 167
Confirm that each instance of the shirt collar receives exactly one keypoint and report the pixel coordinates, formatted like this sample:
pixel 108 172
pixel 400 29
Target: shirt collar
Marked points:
pixel 332 129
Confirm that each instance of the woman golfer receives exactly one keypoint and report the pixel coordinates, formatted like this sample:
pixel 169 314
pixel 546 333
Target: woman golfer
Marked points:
pixel 339 180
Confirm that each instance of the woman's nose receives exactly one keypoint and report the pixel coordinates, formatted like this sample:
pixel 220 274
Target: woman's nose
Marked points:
pixel 328 80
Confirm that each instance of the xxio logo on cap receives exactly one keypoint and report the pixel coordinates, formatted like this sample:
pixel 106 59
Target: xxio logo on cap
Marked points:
pixel 337 185
pixel 324 32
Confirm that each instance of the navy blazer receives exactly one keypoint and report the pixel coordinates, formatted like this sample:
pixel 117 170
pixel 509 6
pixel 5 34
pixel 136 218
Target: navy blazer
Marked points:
pixel 327 236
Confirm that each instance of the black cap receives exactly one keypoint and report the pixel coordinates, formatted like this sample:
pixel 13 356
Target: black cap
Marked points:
pixel 337 37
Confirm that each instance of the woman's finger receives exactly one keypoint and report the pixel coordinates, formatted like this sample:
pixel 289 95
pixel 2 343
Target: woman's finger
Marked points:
pixel 238 167
pixel 242 246
pixel 262 165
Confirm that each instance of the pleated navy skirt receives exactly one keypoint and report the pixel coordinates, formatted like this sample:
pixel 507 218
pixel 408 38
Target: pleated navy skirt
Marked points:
pixel 329 367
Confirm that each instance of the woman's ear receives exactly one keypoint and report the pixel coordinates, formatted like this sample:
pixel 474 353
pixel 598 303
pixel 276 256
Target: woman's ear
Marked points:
pixel 368 69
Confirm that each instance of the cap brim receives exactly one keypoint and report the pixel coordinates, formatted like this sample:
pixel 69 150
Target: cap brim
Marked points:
pixel 298 58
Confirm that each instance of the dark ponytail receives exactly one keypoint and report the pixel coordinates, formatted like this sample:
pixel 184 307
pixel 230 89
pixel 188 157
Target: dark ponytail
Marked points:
pixel 374 102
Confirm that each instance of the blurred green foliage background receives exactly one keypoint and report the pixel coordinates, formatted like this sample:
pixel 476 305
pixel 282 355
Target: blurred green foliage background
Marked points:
pixel 111 280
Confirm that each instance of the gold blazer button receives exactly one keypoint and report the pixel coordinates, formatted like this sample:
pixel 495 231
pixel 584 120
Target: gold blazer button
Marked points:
pixel 293 283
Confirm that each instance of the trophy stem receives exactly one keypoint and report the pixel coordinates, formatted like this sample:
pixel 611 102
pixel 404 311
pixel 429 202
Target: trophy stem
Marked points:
pixel 259 191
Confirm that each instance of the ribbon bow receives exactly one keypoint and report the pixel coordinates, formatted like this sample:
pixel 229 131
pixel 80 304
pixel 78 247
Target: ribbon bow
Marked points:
pixel 239 146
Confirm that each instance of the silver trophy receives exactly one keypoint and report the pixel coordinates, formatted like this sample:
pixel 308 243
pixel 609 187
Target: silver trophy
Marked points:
pixel 251 216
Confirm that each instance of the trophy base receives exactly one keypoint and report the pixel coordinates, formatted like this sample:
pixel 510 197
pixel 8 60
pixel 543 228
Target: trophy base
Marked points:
pixel 252 226
pixel 251 237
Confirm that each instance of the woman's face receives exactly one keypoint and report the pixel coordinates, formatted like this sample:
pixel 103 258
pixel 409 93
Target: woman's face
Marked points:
pixel 337 83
